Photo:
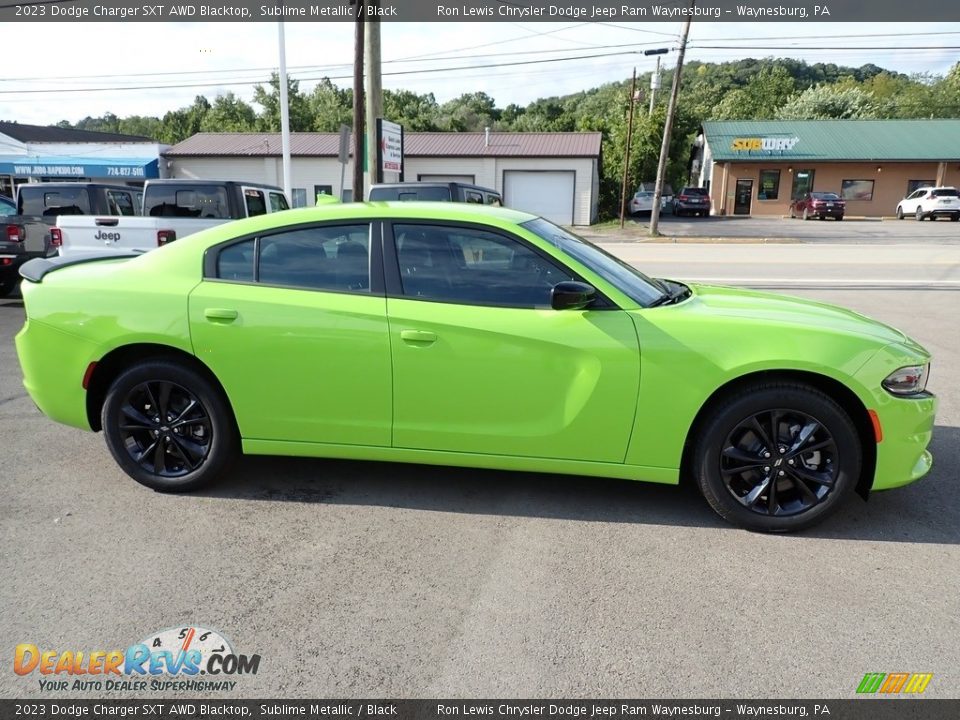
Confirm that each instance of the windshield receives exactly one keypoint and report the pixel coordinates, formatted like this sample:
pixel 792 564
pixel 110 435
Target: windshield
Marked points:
pixel 630 281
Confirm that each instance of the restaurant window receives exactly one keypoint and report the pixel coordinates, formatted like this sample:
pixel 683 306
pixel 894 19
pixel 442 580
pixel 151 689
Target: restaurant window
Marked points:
pixel 917 184
pixel 856 190
pixel 769 185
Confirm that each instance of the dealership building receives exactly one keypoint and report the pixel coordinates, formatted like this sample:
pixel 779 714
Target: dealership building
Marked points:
pixel 757 167
pixel 555 175
pixel 36 153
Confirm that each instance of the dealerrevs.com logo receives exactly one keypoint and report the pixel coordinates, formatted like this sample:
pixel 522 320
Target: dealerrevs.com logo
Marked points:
pixel 179 658
pixel 894 683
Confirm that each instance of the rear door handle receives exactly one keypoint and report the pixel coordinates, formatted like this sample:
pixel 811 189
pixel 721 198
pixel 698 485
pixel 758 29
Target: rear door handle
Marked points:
pixel 220 314
pixel 418 336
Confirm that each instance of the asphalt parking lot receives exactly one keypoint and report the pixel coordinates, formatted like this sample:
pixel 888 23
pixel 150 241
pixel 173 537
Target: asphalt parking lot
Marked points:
pixel 355 579
pixel 777 229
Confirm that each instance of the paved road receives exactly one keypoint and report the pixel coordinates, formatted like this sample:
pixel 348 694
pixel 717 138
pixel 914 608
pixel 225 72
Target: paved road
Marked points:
pixel 363 579
pixel 873 231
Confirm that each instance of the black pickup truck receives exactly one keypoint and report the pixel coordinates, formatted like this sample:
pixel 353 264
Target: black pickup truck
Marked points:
pixel 25 224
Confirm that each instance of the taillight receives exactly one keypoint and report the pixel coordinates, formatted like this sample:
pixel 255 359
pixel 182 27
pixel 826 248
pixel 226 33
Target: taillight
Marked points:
pixel 166 236
pixel 56 237
pixel 684 198
pixel 13 233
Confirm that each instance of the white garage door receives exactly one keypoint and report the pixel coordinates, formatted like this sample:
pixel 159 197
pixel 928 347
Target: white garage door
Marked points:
pixel 548 193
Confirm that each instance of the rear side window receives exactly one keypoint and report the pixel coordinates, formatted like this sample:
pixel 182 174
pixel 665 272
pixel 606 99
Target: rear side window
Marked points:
pixel 333 258
pixel 278 202
pixel 256 205
pixel 202 201
pixel 472 196
pixel 493 199
pixel 50 202
pixel 7 208
pixel 120 203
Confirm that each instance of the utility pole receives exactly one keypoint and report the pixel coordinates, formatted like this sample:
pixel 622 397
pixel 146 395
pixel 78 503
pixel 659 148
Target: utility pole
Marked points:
pixel 284 117
pixel 668 128
pixel 654 85
pixel 358 102
pixel 626 154
pixel 374 98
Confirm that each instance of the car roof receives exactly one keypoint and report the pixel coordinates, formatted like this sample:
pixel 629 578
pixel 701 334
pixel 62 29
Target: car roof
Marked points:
pixel 416 209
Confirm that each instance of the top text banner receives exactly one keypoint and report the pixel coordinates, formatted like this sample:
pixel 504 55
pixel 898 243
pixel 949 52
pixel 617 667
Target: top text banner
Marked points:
pixel 858 11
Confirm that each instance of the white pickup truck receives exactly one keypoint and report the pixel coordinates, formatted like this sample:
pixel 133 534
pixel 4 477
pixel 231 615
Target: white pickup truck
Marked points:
pixel 172 209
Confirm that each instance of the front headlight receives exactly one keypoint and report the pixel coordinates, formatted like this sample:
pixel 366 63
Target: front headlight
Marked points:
pixel 909 380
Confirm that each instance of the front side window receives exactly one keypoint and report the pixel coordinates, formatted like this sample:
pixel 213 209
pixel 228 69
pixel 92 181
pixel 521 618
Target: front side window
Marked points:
pixel 334 258
pixel 278 202
pixel 626 278
pixel 472 196
pixel 120 203
pixel 473 267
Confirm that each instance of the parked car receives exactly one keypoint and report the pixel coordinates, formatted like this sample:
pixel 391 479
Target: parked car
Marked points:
pixel 26 230
pixel 507 342
pixel 931 202
pixel 435 191
pixel 819 205
pixel 641 202
pixel 175 208
pixel 692 201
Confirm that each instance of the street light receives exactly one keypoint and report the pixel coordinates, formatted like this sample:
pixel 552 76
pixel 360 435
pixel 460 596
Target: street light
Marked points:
pixel 655 78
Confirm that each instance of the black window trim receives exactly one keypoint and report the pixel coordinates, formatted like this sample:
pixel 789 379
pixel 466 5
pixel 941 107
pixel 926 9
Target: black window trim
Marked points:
pixel 211 256
pixel 394 283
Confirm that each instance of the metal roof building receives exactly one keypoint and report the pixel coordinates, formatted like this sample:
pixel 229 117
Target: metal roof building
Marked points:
pixel 555 175
pixel 759 167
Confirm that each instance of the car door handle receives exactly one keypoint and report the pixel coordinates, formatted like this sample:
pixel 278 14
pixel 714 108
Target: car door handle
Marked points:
pixel 220 314
pixel 418 336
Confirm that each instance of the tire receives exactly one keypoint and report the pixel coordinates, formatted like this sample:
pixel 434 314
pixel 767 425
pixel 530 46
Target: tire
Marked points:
pixel 806 214
pixel 203 448
pixel 899 213
pixel 839 217
pixel 810 484
pixel 920 214
pixel 822 217
pixel 793 215
pixel 955 217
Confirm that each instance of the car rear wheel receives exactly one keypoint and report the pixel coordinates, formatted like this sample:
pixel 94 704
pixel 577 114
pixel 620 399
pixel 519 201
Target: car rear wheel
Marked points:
pixel 168 426
pixel 806 214
pixel 777 457
pixel 920 214
pixel 839 217
pixel 7 286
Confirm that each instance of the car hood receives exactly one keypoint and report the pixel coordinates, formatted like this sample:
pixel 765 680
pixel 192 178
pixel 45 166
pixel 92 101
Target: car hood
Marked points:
pixel 773 307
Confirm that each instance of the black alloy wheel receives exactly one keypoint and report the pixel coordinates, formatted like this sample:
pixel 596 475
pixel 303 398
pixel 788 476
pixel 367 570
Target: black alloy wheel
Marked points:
pixel 777 457
pixel 168 427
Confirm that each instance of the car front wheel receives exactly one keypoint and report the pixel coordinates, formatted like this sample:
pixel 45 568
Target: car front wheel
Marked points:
pixel 899 213
pixel 919 214
pixel 777 457
pixel 168 426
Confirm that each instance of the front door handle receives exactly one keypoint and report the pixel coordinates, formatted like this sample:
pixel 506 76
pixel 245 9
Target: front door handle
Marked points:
pixel 422 337
pixel 220 314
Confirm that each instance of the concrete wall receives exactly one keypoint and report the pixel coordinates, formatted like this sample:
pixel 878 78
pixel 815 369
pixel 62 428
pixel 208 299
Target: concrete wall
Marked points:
pixel 889 187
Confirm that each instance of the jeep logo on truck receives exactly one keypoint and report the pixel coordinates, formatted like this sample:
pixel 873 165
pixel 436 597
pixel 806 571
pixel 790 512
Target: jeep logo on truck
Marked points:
pixel 105 236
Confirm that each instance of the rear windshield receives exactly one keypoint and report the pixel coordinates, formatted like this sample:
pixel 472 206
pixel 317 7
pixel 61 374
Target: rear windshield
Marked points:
pixel 825 196
pixel 945 192
pixel 198 201
pixel 694 191
pixel 51 202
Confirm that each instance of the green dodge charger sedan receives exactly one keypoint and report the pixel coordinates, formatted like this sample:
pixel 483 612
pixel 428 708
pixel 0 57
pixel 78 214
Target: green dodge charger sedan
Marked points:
pixel 469 336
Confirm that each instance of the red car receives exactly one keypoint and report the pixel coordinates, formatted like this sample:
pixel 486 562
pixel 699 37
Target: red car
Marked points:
pixel 818 204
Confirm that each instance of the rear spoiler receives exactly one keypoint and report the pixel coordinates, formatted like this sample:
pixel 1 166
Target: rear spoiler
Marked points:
pixel 34 270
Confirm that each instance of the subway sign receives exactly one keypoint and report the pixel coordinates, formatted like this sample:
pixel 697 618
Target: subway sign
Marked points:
pixel 764 143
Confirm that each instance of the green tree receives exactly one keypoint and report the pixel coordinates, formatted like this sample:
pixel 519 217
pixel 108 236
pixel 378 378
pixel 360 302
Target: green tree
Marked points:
pixel 415 112
pixel 759 99
pixel 469 112
pixel 268 98
pixel 330 106
pixel 229 114
pixel 832 102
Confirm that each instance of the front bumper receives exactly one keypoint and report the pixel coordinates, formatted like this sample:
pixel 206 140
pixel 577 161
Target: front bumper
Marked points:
pixel 902 455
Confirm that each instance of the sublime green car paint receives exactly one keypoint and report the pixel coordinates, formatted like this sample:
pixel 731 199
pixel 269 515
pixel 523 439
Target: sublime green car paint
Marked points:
pixel 610 392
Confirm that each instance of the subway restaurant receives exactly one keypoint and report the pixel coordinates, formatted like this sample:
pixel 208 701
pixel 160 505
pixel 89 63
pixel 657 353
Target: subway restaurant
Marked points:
pixel 757 167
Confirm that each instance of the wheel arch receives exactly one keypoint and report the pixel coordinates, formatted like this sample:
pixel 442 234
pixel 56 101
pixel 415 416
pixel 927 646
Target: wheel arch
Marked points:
pixel 119 359
pixel 836 390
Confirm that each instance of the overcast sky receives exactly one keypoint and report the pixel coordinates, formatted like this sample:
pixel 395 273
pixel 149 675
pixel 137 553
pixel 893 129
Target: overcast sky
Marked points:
pixel 95 59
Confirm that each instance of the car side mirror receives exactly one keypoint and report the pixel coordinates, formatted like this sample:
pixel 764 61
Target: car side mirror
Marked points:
pixel 571 295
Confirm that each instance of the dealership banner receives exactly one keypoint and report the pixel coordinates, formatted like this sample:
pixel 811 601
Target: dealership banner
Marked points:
pixel 640 11
pixel 500 709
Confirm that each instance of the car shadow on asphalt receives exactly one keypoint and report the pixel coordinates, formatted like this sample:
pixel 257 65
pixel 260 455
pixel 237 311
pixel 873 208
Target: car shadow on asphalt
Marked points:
pixel 925 512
